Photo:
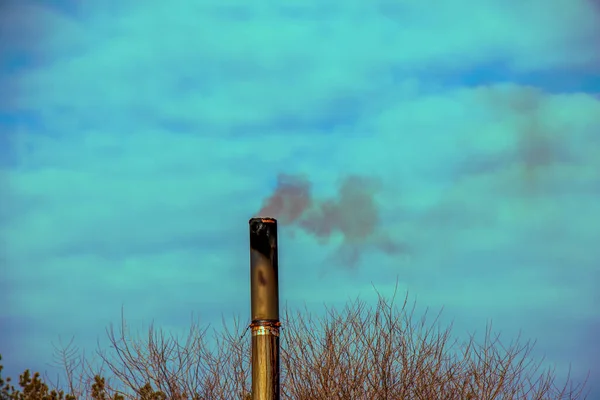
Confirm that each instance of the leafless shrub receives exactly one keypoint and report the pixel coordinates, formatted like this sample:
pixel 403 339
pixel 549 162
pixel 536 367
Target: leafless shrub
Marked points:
pixel 362 352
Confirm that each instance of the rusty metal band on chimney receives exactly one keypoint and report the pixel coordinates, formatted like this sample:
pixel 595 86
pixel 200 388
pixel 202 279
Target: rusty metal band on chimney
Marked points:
pixel 264 306
pixel 260 328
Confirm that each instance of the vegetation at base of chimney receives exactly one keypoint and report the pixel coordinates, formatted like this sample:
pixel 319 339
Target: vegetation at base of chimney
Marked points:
pixel 360 352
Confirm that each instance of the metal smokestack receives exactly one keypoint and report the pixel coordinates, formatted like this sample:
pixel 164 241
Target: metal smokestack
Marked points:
pixel 264 305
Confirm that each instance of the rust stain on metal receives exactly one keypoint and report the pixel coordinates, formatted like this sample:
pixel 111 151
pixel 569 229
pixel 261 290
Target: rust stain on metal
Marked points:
pixel 261 278
pixel 265 328
pixel 265 331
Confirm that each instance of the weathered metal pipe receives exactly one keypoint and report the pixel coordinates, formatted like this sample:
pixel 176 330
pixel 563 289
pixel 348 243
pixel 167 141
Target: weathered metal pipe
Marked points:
pixel 264 306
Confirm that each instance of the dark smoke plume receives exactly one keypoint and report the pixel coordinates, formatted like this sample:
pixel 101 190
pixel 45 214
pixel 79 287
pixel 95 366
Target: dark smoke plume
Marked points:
pixel 353 215
pixel 537 147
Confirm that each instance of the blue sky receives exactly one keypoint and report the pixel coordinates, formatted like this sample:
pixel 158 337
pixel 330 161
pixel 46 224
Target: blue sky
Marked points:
pixel 138 138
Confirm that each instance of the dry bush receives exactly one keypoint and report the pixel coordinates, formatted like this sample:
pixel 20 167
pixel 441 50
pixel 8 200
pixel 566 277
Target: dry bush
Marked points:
pixel 163 366
pixel 384 353
pixel 361 352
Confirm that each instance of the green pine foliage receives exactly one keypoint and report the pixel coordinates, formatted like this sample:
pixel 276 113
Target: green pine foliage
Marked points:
pixel 31 388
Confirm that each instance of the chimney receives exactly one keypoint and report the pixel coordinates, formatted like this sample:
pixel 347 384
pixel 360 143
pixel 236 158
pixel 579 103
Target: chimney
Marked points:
pixel 264 306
